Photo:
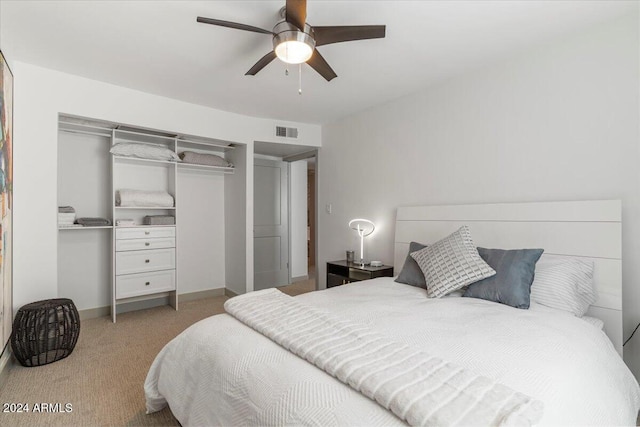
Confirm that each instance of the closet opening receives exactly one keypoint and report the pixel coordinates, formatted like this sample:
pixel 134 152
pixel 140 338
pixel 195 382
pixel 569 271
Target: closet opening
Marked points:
pixel 285 217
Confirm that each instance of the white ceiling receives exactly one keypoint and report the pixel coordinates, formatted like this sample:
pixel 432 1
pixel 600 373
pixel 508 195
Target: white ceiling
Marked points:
pixel 157 47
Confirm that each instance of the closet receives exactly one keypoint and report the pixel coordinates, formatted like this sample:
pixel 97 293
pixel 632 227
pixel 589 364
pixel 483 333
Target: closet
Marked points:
pixel 131 264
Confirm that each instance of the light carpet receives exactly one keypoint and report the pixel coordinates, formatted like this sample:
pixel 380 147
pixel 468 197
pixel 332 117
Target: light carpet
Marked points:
pixel 103 378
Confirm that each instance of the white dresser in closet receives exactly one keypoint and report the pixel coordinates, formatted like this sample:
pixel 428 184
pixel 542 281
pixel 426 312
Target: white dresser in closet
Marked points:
pixel 145 261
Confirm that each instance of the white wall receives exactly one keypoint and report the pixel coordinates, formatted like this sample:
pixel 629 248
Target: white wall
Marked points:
pixel 298 217
pixel 557 122
pixel 40 95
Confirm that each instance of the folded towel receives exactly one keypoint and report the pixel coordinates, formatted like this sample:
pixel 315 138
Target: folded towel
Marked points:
pixel 204 159
pixel 66 218
pixel 66 209
pixel 159 220
pixel 93 222
pixel 142 198
pixel 125 222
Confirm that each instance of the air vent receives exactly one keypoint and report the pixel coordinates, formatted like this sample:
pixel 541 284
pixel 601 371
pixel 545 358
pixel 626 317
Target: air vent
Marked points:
pixel 286 132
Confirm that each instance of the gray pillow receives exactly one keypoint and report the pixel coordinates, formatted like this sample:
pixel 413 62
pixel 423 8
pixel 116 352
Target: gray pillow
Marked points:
pixel 451 264
pixel 511 284
pixel 411 273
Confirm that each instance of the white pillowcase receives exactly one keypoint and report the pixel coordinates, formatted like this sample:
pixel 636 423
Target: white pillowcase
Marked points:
pixel 144 151
pixel 564 284
pixel 451 264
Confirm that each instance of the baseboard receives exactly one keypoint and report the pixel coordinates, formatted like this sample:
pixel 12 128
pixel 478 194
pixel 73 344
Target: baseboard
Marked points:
pixel 92 313
pixel 229 293
pixel 125 307
pixel 209 293
pixel 5 364
pixel 300 278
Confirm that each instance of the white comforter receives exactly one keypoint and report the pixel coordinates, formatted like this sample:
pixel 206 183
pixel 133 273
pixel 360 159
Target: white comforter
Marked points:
pixel 221 372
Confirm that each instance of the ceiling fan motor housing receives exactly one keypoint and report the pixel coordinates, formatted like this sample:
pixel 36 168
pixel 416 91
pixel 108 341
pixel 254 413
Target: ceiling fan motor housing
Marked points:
pixel 285 32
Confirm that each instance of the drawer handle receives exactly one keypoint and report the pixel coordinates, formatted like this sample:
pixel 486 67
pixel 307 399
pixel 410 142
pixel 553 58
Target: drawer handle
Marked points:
pixel 147 283
pixel 147 233
pixel 146 261
pixel 147 243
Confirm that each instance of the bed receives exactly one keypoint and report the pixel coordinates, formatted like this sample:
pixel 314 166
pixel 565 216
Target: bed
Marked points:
pixel 222 372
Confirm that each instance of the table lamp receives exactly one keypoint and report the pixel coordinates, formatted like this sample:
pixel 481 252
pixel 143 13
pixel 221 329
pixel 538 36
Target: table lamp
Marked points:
pixel 364 227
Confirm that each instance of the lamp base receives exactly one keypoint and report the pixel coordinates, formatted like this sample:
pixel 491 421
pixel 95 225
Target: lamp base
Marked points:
pixel 362 262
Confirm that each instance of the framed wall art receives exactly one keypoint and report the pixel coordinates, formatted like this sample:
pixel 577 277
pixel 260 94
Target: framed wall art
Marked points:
pixel 6 200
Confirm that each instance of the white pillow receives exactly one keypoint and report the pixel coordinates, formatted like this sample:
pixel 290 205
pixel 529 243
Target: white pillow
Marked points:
pixel 564 284
pixel 451 264
pixel 144 151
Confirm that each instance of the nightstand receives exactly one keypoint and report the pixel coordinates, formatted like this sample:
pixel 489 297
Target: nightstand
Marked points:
pixel 343 272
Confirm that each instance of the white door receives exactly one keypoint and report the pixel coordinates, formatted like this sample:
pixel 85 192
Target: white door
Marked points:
pixel 270 239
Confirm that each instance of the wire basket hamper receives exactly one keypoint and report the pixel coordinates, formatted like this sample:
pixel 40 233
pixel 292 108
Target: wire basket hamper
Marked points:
pixel 45 331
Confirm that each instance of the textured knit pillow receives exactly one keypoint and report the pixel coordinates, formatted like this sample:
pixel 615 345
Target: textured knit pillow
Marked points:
pixel 451 264
pixel 411 273
pixel 142 150
pixel 564 284
pixel 511 284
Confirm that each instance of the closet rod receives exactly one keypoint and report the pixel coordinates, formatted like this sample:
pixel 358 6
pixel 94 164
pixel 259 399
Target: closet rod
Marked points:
pixel 84 132
pixel 83 125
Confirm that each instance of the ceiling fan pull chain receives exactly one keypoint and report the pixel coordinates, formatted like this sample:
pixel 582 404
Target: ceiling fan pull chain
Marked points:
pixel 286 71
pixel 300 79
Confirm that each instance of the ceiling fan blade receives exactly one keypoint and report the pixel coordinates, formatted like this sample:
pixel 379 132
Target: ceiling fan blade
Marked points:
pixel 263 62
pixel 296 13
pixel 318 63
pixel 235 25
pixel 328 35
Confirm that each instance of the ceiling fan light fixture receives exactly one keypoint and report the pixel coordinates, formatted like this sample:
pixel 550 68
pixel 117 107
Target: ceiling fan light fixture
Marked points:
pixel 291 45
pixel 294 52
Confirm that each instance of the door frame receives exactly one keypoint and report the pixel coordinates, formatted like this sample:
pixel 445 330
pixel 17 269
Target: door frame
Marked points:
pixel 313 153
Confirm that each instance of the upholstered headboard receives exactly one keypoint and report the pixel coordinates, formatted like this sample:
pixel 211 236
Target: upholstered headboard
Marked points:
pixel 589 230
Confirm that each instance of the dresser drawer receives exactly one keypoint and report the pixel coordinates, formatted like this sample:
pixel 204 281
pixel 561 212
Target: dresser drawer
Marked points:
pixel 133 285
pixel 142 244
pixel 144 232
pixel 141 261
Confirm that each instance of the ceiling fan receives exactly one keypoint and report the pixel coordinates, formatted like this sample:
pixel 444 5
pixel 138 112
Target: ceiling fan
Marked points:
pixel 295 41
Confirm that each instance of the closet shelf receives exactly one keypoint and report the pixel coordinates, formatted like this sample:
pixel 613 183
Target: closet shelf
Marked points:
pixel 142 136
pixel 190 143
pixel 146 208
pixel 222 169
pixel 86 228
pixel 143 226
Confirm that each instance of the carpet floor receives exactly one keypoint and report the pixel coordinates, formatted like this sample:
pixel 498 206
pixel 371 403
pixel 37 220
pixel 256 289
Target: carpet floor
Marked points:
pixel 103 378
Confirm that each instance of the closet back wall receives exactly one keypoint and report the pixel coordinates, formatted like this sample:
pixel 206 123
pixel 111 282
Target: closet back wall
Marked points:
pixel 201 231
pixel 84 256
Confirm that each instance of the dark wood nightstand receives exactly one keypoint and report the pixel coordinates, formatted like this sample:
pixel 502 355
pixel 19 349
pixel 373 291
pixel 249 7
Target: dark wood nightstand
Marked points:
pixel 342 272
